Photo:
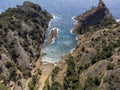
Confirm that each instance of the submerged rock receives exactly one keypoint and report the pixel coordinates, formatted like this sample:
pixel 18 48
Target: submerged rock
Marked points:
pixel 96 18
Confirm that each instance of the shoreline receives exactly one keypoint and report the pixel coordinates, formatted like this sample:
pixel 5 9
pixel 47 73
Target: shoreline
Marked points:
pixel 72 50
pixel 75 23
pixel 71 31
pixel 54 17
pixel 49 63
pixel 46 61
pixel 73 18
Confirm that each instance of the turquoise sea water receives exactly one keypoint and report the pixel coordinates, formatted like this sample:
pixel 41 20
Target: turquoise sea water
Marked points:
pixel 63 10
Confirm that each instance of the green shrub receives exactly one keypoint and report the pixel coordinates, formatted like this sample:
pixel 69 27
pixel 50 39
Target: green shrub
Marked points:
pixel 27 73
pixel 4 87
pixel 35 79
pixel 1 70
pixel 55 71
pixel 2 77
pixel 106 52
pixel 92 83
pixel 71 80
pixel 47 86
pixel 55 86
pixel 107 22
pixel 83 49
pixel 110 66
pixel 118 61
pixel 9 64
pixel 12 71
pixel 31 86
pixel 86 66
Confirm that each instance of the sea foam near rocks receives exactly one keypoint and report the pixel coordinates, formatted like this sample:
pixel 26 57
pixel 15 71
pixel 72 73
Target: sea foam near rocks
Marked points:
pixel 75 22
pixel 54 17
pixel 118 20
pixel 53 40
pixel 71 51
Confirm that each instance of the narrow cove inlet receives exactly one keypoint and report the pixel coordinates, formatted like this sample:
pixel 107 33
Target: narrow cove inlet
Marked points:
pixel 63 13
pixel 63 44
pixel 60 45
pixel 63 20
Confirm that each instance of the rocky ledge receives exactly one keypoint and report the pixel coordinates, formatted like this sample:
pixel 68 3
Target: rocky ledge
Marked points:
pixel 22 31
pixel 52 36
pixel 94 19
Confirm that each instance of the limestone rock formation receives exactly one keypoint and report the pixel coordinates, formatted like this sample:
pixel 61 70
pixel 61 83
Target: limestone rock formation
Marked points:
pixel 22 31
pixel 53 35
pixel 96 18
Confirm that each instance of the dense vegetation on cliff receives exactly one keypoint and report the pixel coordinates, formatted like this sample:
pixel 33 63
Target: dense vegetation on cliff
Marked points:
pixel 95 62
pixel 22 31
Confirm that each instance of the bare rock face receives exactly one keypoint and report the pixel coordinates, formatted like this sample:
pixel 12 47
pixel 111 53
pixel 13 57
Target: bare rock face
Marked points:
pixel 28 6
pixel 22 31
pixel 96 18
pixel 53 35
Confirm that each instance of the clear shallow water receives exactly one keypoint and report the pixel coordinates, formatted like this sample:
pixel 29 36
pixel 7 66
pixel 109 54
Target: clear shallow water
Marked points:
pixel 63 10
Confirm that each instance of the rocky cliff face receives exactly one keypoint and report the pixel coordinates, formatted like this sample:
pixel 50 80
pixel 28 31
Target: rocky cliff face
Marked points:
pixel 96 18
pixel 22 31
pixel 94 64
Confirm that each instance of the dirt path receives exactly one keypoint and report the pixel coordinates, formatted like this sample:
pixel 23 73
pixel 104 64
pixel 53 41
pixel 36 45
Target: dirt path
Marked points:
pixel 46 71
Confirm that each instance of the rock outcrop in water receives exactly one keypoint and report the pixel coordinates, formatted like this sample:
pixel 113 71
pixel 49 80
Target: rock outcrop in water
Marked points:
pixel 95 62
pixel 53 35
pixel 96 18
pixel 22 31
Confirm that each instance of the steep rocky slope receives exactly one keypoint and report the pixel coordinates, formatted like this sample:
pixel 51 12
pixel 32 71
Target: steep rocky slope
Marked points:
pixel 97 17
pixel 95 62
pixel 22 31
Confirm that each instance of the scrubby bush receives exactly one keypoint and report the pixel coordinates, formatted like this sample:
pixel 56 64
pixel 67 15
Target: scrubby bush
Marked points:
pixel 118 61
pixel 92 83
pixel 4 87
pixel 106 52
pixel 71 80
pixel 83 49
pixel 110 66
pixel 31 86
pixel 54 72
pixel 55 86
pixel 33 82
pixel 107 22
pixel 47 86
pixel 9 64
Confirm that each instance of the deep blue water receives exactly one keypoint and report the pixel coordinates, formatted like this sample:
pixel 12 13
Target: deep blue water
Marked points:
pixel 63 10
